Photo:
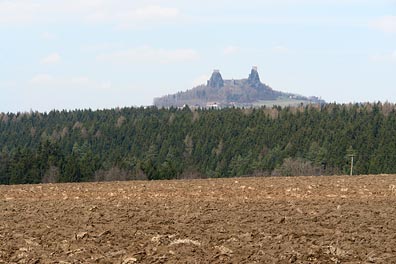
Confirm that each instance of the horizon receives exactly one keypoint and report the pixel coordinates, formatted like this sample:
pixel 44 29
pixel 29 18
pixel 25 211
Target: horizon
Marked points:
pixel 103 54
pixel 118 108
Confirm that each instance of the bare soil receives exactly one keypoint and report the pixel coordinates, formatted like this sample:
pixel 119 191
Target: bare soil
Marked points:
pixel 244 220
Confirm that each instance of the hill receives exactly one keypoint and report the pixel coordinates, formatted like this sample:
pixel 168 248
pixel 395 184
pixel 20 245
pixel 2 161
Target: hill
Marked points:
pixel 152 143
pixel 250 92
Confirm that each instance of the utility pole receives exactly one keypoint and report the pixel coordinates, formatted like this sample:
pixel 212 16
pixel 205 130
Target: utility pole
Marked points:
pixel 351 153
pixel 352 157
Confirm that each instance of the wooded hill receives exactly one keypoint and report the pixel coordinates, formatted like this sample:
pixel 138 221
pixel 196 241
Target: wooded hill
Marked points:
pixel 152 143
pixel 250 92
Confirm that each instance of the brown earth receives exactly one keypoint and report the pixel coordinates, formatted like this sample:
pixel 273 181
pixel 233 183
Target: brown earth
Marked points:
pixel 250 220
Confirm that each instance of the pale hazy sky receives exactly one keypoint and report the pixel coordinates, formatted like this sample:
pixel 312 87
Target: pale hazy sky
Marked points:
pixel 67 54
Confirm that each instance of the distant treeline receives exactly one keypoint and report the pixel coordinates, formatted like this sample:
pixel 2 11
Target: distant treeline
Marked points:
pixel 152 143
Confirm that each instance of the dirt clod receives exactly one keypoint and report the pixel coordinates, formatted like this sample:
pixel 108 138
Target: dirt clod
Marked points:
pixel 129 260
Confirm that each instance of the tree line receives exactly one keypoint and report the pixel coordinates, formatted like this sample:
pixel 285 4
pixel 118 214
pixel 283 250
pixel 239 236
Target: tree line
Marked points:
pixel 153 143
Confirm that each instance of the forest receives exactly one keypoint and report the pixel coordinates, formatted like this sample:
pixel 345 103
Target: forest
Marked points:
pixel 150 143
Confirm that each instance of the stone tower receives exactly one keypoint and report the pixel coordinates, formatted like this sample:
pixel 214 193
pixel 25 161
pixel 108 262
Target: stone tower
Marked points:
pixel 216 81
pixel 254 78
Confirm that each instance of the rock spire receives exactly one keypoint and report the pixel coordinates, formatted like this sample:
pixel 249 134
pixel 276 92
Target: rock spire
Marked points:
pixel 254 78
pixel 216 81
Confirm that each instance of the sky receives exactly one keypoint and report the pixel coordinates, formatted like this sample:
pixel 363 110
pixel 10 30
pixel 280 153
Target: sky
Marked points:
pixel 79 54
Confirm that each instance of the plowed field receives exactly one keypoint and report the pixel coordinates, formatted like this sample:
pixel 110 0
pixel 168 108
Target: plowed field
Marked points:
pixel 250 220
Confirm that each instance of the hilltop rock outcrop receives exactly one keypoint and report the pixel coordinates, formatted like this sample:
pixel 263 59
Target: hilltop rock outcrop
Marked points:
pixel 216 81
pixel 254 78
pixel 222 93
